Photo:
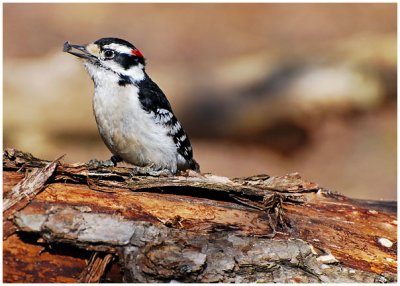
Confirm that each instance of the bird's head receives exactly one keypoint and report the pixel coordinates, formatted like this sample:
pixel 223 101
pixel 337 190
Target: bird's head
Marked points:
pixel 109 58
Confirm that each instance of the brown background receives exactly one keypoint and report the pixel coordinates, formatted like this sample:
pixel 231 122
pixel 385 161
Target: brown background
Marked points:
pixel 260 88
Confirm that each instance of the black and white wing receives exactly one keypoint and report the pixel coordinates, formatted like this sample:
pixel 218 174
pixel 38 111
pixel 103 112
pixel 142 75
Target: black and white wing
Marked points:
pixel 154 100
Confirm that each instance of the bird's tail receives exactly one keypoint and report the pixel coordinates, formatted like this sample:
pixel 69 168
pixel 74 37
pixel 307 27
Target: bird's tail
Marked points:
pixel 194 165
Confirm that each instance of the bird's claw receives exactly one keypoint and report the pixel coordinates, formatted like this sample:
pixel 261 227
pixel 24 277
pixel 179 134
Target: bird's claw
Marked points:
pixel 150 171
pixel 99 163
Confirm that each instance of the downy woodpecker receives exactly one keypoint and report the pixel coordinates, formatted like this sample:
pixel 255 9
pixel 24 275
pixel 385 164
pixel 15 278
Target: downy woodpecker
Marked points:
pixel 134 117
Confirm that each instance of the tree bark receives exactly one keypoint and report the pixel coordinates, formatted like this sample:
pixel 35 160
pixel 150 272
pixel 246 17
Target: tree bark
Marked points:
pixel 86 223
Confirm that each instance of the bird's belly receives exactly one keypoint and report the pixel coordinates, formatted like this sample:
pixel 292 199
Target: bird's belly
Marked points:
pixel 131 133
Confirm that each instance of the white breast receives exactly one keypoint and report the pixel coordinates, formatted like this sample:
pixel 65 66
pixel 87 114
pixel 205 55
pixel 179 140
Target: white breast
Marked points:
pixel 128 130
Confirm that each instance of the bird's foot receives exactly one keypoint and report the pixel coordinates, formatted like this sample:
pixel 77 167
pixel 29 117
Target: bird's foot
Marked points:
pixel 149 170
pixel 106 163
pixel 94 163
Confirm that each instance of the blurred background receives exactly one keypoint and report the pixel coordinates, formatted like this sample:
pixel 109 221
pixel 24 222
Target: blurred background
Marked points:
pixel 259 88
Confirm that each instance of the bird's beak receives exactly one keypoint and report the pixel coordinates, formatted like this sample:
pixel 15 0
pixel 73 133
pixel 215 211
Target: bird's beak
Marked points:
pixel 81 51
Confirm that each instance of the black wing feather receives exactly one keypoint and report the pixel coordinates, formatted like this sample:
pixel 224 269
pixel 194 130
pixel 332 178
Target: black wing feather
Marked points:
pixel 154 100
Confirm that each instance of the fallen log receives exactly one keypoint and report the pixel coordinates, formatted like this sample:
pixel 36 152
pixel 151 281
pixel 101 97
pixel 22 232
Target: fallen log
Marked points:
pixel 86 223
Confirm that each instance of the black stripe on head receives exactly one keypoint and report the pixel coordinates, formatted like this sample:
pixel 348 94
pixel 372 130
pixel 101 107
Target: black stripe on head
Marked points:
pixel 127 61
pixel 106 41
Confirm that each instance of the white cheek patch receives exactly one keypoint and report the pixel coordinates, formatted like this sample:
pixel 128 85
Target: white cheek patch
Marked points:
pixel 112 71
pixel 114 66
pixel 118 48
pixel 136 72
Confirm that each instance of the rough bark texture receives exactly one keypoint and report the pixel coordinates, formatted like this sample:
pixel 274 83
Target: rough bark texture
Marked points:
pixel 83 223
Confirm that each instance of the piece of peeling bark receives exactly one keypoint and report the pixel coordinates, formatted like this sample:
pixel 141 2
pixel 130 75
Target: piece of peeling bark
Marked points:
pixel 96 268
pixel 206 228
pixel 24 191
pixel 28 187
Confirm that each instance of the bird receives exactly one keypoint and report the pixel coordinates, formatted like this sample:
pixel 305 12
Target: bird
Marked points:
pixel 133 115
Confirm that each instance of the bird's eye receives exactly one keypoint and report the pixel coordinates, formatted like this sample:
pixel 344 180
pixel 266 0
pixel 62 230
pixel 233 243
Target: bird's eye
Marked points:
pixel 109 54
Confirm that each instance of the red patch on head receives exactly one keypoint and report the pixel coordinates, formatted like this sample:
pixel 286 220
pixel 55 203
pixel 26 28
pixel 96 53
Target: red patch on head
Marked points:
pixel 137 53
